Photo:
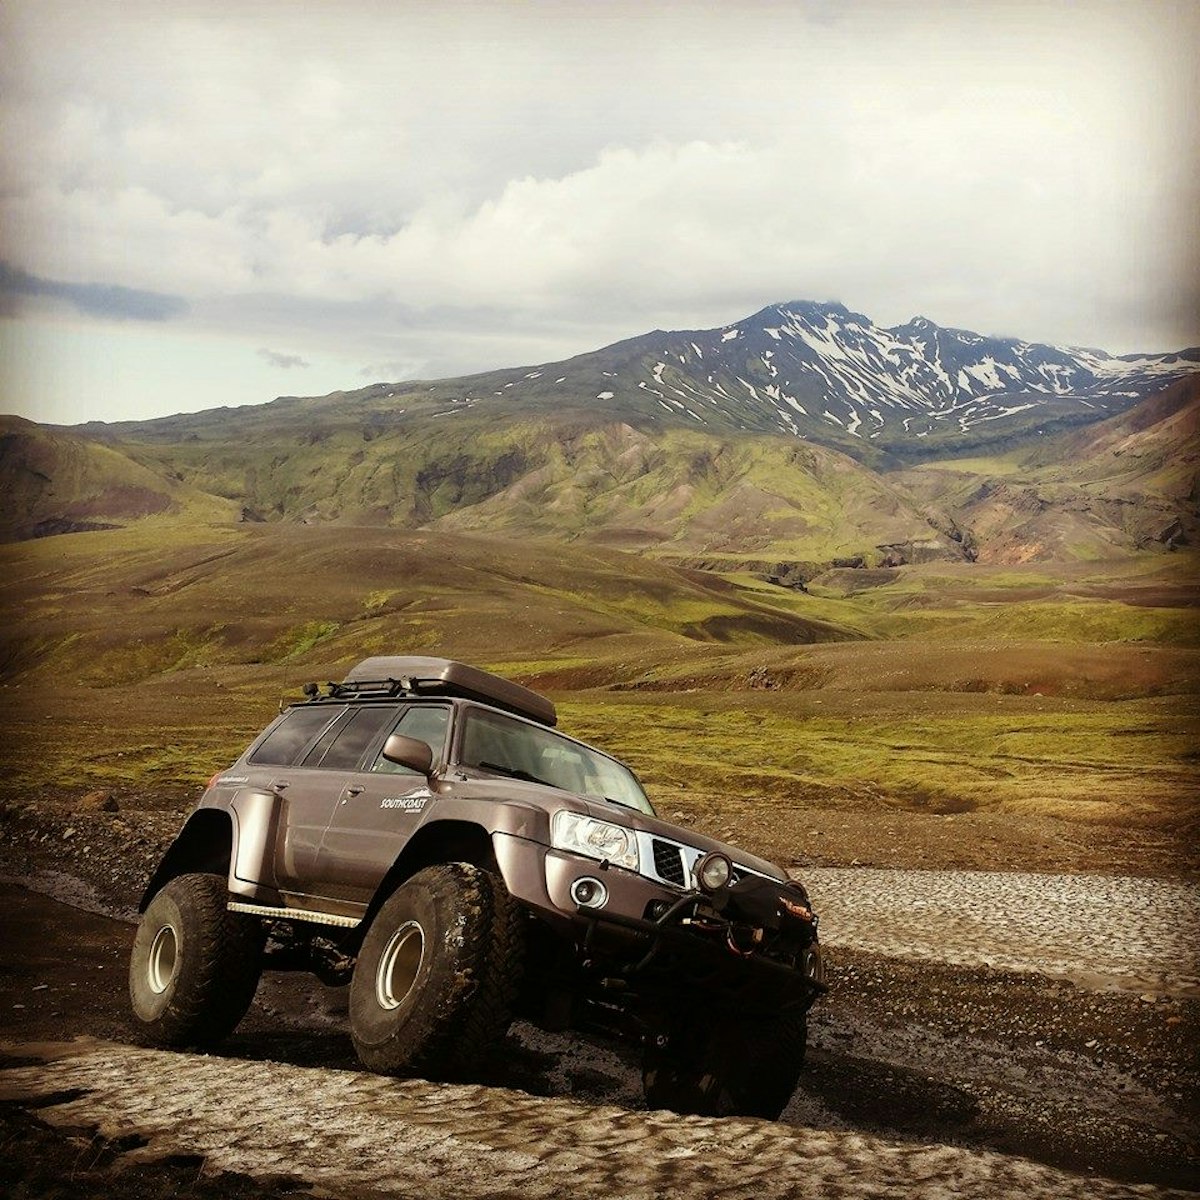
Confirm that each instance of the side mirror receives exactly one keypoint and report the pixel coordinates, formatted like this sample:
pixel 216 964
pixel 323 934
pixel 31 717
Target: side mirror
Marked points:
pixel 409 752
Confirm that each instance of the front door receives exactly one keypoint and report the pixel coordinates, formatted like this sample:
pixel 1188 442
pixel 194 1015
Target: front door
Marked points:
pixel 379 810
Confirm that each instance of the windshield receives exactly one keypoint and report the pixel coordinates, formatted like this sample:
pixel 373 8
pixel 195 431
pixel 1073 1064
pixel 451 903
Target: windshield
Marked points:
pixel 493 742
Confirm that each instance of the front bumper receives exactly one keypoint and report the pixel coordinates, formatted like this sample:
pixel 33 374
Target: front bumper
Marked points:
pixel 652 941
pixel 688 942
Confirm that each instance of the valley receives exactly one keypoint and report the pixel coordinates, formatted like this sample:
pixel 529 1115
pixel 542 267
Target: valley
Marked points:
pixel 985 448
pixel 1025 704
pixel 951 679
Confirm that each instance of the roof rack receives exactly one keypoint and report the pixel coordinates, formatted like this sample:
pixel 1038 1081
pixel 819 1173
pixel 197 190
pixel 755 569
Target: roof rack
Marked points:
pixel 389 676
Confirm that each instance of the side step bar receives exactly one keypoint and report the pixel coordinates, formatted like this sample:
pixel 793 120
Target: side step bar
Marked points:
pixel 294 914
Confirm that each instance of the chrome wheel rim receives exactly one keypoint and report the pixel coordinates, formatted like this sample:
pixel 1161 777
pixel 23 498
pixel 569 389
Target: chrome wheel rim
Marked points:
pixel 164 956
pixel 399 965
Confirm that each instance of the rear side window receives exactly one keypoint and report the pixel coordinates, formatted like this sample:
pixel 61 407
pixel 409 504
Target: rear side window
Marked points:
pixel 298 729
pixel 343 747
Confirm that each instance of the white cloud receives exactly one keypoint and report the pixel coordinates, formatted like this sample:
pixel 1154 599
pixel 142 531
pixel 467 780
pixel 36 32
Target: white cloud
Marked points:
pixel 285 362
pixel 437 184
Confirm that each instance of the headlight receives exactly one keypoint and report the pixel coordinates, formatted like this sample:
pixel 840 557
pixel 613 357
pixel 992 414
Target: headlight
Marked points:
pixel 594 839
pixel 713 871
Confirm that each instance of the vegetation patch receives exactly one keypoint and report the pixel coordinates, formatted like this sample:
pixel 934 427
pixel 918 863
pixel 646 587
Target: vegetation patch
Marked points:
pixel 143 659
pixel 299 640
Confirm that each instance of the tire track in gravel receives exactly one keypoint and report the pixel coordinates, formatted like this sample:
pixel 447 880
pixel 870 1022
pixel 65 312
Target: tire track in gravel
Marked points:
pixel 1098 931
pixel 363 1135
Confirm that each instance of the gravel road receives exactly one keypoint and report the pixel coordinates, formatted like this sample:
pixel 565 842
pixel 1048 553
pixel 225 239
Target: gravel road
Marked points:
pixel 1098 931
pixel 351 1133
pixel 987 1034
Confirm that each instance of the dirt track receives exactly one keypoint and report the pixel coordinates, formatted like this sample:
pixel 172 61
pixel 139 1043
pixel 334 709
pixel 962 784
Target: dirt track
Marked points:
pixel 1099 931
pixel 925 1079
pixel 356 1134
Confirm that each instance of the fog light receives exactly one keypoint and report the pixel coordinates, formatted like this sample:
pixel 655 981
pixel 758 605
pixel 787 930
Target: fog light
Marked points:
pixel 713 871
pixel 589 893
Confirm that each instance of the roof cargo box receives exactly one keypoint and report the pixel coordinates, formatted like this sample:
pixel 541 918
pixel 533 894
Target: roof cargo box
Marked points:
pixel 443 676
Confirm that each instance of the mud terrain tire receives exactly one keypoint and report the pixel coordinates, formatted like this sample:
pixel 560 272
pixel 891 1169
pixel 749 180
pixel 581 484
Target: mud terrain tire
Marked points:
pixel 437 974
pixel 719 1069
pixel 195 965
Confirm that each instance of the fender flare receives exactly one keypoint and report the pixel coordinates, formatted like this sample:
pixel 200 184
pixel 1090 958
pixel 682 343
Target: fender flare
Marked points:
pixel 204 845
pixel 257 818
pixel 237 841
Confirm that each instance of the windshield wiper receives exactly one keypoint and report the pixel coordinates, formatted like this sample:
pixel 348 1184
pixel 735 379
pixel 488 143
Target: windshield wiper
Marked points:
pixel 515 773
pixel 622 804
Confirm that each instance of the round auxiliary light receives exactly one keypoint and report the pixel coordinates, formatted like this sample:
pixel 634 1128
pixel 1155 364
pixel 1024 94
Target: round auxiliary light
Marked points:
pixel 713 871
pixel 589 893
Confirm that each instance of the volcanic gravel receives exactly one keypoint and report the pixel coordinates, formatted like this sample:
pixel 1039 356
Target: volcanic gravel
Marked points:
pixel 1099 931
pixel 984 1034
pixel 350 1133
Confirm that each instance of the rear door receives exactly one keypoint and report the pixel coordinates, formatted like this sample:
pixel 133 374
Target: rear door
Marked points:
pixel 276 765
pixel 379 809
pixel 314 782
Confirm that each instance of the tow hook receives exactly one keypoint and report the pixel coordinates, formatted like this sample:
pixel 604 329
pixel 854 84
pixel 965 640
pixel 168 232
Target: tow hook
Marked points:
pixel 756 938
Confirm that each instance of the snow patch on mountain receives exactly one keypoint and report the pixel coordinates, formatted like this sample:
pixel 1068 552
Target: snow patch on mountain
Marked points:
pixel 820 370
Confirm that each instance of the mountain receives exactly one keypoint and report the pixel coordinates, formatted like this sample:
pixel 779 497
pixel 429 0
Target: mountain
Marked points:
pixel 824 373
pixel 802 370
pixel 1126 483
pixel 774 444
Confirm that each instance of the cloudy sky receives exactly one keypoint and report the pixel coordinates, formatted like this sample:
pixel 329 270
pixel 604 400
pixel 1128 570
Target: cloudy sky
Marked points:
pixel 212 203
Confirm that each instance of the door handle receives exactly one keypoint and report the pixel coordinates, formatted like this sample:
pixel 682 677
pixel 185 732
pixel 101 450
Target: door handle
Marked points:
pixel 353 791
pixel 279 784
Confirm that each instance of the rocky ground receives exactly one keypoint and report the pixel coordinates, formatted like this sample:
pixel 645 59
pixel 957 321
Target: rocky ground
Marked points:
pixel 1099 931
pixel 987 1033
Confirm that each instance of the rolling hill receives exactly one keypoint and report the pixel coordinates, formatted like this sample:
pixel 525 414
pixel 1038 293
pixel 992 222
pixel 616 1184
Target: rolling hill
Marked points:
pixel 784 443
pixel 59 481
pixel 682 493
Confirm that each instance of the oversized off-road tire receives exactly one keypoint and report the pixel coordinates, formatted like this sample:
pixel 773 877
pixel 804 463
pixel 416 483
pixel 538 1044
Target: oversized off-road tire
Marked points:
pixel 437 974
pixel 195 965
pixel 715 1068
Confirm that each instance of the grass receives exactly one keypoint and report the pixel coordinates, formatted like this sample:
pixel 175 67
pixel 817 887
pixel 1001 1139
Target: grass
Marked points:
pixel 1084 621
pixel 143 659
pixel 299 640
pixel 993 466
pixel 1116 763
pixel 992 606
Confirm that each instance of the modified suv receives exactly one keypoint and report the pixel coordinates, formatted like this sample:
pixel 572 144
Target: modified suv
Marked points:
pixel 423 833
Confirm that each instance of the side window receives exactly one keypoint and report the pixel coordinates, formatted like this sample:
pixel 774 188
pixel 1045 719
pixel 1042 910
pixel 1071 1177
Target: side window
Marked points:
pixel 347 744
pixel 426 723
pixel 293 734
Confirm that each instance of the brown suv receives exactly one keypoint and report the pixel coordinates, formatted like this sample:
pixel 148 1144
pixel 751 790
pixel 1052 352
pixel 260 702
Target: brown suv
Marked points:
pixel 423 833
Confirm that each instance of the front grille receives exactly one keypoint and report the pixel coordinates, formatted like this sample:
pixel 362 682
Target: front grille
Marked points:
pixel 668 862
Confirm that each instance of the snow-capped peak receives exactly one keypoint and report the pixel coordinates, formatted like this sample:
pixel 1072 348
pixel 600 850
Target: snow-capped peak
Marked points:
pixel 820 370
